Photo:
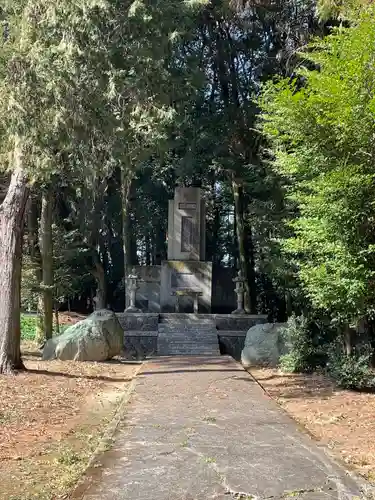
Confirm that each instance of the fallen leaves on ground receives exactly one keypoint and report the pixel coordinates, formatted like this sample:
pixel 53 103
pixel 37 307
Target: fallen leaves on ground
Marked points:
pixel 49 411
pixel 343 420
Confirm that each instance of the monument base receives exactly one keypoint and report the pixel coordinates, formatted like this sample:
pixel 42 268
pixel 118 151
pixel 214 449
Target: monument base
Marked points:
pixel 141 331
pixel 190 274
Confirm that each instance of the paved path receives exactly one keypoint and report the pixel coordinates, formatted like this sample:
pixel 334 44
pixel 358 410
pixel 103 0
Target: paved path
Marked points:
pixel 200 429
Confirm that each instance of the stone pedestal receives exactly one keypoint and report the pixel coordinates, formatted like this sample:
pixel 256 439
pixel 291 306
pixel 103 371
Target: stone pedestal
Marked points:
pixel 185 274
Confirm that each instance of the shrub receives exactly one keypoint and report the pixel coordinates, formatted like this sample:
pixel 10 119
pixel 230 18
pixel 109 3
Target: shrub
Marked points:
pixel 304 341
pixel 29 324
pixel 28 327
pixel 351 372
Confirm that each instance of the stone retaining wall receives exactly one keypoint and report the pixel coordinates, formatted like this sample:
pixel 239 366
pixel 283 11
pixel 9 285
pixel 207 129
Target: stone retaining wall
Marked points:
pixel 141 331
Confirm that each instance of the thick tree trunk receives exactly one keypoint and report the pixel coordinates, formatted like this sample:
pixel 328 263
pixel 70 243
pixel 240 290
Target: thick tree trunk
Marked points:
pixel 243 254
pixel 46 250
pixel 12 214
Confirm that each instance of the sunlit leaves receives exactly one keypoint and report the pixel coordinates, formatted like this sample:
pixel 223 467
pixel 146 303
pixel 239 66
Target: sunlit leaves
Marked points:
pixel 322 129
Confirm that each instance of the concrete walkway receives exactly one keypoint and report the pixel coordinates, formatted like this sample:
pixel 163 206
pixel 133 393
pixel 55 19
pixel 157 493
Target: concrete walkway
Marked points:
pixel 201 428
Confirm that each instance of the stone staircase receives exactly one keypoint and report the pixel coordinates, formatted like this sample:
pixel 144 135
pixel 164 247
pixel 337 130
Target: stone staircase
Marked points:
pixel 187 335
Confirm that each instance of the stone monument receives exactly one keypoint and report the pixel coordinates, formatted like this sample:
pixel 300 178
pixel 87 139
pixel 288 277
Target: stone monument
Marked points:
pixel 187 225
pixel 186 278
pixel 184 282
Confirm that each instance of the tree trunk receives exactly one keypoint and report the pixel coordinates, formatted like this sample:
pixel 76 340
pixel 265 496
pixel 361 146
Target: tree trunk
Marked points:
pixel 371 334
pixel 39 327
pixel 148 249
pixel 101 290
pixel 46 250
pixel 348 340
pixel 126 182
pixel 57 322
pixel 12 214
pixel 243 255
pixel 37 264
pixel 250 258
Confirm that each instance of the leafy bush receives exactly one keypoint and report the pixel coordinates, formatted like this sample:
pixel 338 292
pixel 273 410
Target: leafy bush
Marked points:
pixel 351 372
pixel 29 324
pixel 303 340
pixel 28 327
pixel 322 141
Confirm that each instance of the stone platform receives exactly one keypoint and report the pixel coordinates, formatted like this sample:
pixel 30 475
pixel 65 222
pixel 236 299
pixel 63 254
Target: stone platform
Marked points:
pixel 142 331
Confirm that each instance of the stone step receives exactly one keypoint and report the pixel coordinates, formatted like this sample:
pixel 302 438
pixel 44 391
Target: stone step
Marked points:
pixel 232 333
pixel 166 347
pixel 185 319
pixel 180 353
pixel 141 333
pixel 182 335
pixel 192 339
pixel 187 344
pixel 187 334
pixel 189 352
pixel 181 324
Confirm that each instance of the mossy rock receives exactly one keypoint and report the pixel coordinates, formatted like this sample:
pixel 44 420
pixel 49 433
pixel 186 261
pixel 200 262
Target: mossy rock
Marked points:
pixel 97 338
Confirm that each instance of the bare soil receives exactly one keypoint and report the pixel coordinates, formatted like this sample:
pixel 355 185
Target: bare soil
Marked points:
pixel 51 419
pixel 70 318
pixel 342 420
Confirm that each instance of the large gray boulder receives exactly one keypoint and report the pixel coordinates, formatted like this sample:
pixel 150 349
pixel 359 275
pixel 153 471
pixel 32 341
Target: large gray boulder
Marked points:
pixel 97 338
pixel 263 345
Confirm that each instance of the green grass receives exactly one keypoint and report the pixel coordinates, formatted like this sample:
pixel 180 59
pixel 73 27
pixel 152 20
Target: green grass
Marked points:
pixel 28 327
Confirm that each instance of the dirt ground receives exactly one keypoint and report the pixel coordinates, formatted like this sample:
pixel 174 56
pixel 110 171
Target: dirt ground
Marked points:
pixel 69 318
pixel 51 420
pixel 342 420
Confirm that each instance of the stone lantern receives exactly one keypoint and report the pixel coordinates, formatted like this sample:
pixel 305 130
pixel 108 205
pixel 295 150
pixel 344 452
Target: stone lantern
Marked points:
pixel 240 292
pixel 132 287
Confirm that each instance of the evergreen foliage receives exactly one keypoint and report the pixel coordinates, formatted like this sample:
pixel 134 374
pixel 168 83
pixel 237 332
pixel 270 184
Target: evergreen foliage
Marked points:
pixel 110 105
pixel 322 133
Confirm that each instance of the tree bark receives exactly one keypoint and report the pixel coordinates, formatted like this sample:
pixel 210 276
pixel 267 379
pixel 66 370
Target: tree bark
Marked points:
pixel 101 281
pixel 36 259
pixel 46 250
pixel 126 183
pixel 148 250
pixel 12 215
pixel 348 340
pixel 57 322
pixel 250 258
pixel 243 254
